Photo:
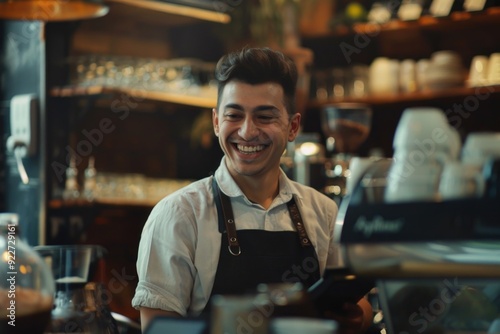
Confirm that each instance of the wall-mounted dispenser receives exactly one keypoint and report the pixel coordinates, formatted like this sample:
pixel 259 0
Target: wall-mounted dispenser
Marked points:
pixel 22 141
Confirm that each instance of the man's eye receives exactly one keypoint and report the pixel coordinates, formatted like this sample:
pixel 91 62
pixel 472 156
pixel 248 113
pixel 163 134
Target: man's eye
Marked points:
pixel 232 116
pixel 265 118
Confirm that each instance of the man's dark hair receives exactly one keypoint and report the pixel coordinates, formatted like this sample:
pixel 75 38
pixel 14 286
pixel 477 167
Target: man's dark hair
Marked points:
pixel 257 66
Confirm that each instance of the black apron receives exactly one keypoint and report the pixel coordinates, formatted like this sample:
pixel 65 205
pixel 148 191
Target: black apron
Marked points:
pixel 250 257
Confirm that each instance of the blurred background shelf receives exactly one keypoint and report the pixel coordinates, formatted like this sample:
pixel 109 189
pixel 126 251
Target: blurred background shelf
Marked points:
pixel 457 20
pixel 201 10
pixel 459 93
pixel 205 98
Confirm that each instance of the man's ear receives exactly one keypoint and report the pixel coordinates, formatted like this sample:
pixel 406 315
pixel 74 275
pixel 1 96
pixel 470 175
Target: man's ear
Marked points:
pixel 215 121
pixel 294 127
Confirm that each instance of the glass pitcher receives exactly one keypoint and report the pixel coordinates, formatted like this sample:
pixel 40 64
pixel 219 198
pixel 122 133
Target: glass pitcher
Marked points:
pixel 79 305
pixel 26 283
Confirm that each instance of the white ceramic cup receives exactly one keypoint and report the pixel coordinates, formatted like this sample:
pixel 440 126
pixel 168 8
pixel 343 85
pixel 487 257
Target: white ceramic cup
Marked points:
pixel 447 58
pixel 292 325
pixel 460 181
pixel 478 73
pixel 445 70
pixel 494 69
pixel 417 188
pixel 407 76
pixel 384 76
pixel 479 147
pixel 421 73
pixel 406 182
pixel 425 128
pixel 403 167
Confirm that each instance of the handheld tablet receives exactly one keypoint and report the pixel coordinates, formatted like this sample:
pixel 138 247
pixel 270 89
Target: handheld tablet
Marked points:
pixel 337 287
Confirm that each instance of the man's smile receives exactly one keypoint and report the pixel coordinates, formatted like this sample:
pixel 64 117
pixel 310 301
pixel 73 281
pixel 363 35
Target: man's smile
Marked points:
pixel 248 149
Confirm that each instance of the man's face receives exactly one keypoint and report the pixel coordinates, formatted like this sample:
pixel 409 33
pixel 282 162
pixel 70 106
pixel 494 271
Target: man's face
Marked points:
pixel 253 127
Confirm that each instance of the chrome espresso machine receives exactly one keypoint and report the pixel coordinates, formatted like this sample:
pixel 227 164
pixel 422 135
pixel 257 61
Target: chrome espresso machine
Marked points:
pixel 436 263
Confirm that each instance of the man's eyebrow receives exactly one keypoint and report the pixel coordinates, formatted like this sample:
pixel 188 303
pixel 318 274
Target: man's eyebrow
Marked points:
pixel 233 106
pixel 267 108
pixel 256 109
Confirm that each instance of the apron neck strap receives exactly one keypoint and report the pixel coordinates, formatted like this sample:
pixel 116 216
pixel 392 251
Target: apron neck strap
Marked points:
pixel 226 220
pixel 227 223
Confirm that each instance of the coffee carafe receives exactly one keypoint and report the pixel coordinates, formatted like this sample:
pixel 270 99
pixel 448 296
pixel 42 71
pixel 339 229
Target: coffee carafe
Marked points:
pixel 346 126
pixel 79 304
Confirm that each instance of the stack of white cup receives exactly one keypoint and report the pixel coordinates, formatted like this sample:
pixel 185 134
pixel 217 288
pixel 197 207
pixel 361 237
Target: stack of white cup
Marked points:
pixel 465 178
pixel 423 143
pixel 460 180
pixel 479 147
pixel 383 76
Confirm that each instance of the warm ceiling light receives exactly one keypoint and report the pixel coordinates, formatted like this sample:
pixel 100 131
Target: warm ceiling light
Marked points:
pixel 51 10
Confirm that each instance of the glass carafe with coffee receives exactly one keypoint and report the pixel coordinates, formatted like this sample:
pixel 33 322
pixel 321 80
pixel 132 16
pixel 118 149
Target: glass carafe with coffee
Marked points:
pixel 79 304
pixel 346 126
pixel 26 282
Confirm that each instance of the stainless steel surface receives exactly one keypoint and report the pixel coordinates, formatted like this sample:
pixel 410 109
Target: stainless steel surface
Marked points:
pixel 425 259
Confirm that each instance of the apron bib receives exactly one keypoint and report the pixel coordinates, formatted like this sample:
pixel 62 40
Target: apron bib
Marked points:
pixel 250 257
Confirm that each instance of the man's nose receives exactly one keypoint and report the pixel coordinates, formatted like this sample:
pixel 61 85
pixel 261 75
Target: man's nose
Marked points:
pixel 249 129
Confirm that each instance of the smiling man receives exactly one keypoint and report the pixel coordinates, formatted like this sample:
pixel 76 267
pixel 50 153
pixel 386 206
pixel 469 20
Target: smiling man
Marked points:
pixel 248 223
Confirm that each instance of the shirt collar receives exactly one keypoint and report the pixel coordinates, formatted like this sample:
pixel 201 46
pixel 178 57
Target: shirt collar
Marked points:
pixel 229 187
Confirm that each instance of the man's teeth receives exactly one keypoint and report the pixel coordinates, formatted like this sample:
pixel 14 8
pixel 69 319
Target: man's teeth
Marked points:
pixel 250 149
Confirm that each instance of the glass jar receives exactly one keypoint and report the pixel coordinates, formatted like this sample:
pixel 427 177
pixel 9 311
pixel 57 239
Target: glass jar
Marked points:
pixel 82 310
pixel 26 283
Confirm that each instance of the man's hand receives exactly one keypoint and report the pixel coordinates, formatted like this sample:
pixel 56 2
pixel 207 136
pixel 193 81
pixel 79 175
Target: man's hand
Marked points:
pixel 147 314
pixel 353 318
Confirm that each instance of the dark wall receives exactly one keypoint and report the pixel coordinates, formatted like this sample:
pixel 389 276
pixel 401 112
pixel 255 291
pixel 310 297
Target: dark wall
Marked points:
pixel 22 71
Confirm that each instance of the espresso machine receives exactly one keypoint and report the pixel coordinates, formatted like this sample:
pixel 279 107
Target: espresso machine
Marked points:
pixel 436 262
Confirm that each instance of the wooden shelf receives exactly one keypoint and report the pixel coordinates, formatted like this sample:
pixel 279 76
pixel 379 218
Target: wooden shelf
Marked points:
pixel 176 9
pixel 204 99
pixel 460 20
pixel 424 96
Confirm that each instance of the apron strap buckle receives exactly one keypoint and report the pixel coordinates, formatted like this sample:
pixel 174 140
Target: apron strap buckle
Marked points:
pixel 234 250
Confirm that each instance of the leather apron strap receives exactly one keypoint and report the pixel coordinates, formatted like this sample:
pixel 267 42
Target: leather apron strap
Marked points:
pixel 223 204
pixel 227 224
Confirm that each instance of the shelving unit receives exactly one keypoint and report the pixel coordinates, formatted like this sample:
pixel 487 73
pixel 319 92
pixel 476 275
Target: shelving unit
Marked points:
pixel 459 93
pixel 457 20
pixel 206 98
pixel 469 34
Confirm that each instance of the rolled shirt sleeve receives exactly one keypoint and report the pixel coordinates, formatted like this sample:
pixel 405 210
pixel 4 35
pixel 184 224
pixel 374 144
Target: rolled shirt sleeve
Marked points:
pixel 165 262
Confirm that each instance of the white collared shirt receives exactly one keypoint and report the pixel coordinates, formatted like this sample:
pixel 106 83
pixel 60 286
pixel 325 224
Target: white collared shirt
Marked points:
pixel 180 243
